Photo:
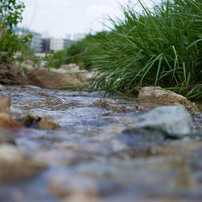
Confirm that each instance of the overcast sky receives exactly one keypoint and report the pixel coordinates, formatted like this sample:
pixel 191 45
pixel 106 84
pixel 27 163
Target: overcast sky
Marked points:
pixel 61 17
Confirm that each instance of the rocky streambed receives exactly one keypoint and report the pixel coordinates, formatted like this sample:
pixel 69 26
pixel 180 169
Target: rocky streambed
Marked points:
pixel 80 146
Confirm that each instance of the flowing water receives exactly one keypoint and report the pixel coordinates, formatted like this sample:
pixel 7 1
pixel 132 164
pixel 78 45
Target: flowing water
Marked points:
pixel 89 159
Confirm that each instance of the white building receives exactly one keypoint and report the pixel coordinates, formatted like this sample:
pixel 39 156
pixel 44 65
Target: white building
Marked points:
pixel 59 43
pixel 78 37
pixel 44 43
pixel 56 44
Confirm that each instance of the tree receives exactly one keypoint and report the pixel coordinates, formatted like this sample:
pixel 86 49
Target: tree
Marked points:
pixel 10 16
pixel 10 13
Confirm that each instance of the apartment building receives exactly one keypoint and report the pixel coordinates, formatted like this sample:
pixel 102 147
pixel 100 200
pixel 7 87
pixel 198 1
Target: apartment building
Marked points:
pixel 43 43
pixel 35 44
pixel 79 36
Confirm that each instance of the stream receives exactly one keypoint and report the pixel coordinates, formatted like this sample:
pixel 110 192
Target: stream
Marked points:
pixel 88 158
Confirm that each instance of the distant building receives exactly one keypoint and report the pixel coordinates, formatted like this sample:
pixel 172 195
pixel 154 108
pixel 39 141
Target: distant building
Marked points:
pixel 78 37
pixel 43 43
pixel 59 43
pixel 56 44
pixel 36 44
pixel 68 42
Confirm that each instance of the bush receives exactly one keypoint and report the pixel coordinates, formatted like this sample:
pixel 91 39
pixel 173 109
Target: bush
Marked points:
pixel 159 47
pixel 56 60
pixel 81 52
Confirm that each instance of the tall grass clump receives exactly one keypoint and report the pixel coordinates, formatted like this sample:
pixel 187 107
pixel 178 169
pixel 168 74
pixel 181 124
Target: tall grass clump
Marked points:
pixel 159 47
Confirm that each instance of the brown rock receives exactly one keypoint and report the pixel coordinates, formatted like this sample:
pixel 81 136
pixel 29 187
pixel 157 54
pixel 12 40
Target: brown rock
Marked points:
pixel 47 125
pixel 162 96
pixel 15 165
pixel 53 80
pixel 8 123
pixel 5 120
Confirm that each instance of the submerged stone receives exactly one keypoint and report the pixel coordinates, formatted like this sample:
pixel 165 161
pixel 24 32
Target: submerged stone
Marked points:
pixel 6 137
pixel 15 165
pixel 170 121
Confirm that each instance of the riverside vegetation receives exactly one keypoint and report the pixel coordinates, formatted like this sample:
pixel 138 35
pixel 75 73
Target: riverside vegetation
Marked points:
pixel 61 145
pixel 158 47
pixel 151 47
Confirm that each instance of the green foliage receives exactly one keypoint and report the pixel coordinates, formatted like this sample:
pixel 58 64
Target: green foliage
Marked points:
pixel 56 60
pixel 10 16
pixel 11 13
pixel 82 51
pixel 159 47
pixel 10 44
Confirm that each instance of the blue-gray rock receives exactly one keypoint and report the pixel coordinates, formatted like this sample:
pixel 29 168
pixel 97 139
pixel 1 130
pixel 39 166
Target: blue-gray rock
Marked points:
pixel 171 121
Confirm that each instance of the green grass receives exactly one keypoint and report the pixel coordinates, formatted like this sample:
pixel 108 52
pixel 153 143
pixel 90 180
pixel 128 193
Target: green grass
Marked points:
pixel 159 47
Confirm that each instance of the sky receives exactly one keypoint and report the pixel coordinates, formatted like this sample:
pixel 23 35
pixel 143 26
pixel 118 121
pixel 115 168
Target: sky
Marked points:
pixel 62 17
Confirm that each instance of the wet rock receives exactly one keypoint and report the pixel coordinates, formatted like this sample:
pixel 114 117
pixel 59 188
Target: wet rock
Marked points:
pixel 41 121
pixel 53 80
pixel 15 165
pixel 170 121
pixel 110 101
pixel 47 125
pixel 109 104
pixel 5 119
pixel 159 95
pixel 25 118
pixel 28 119
pixel 6 137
